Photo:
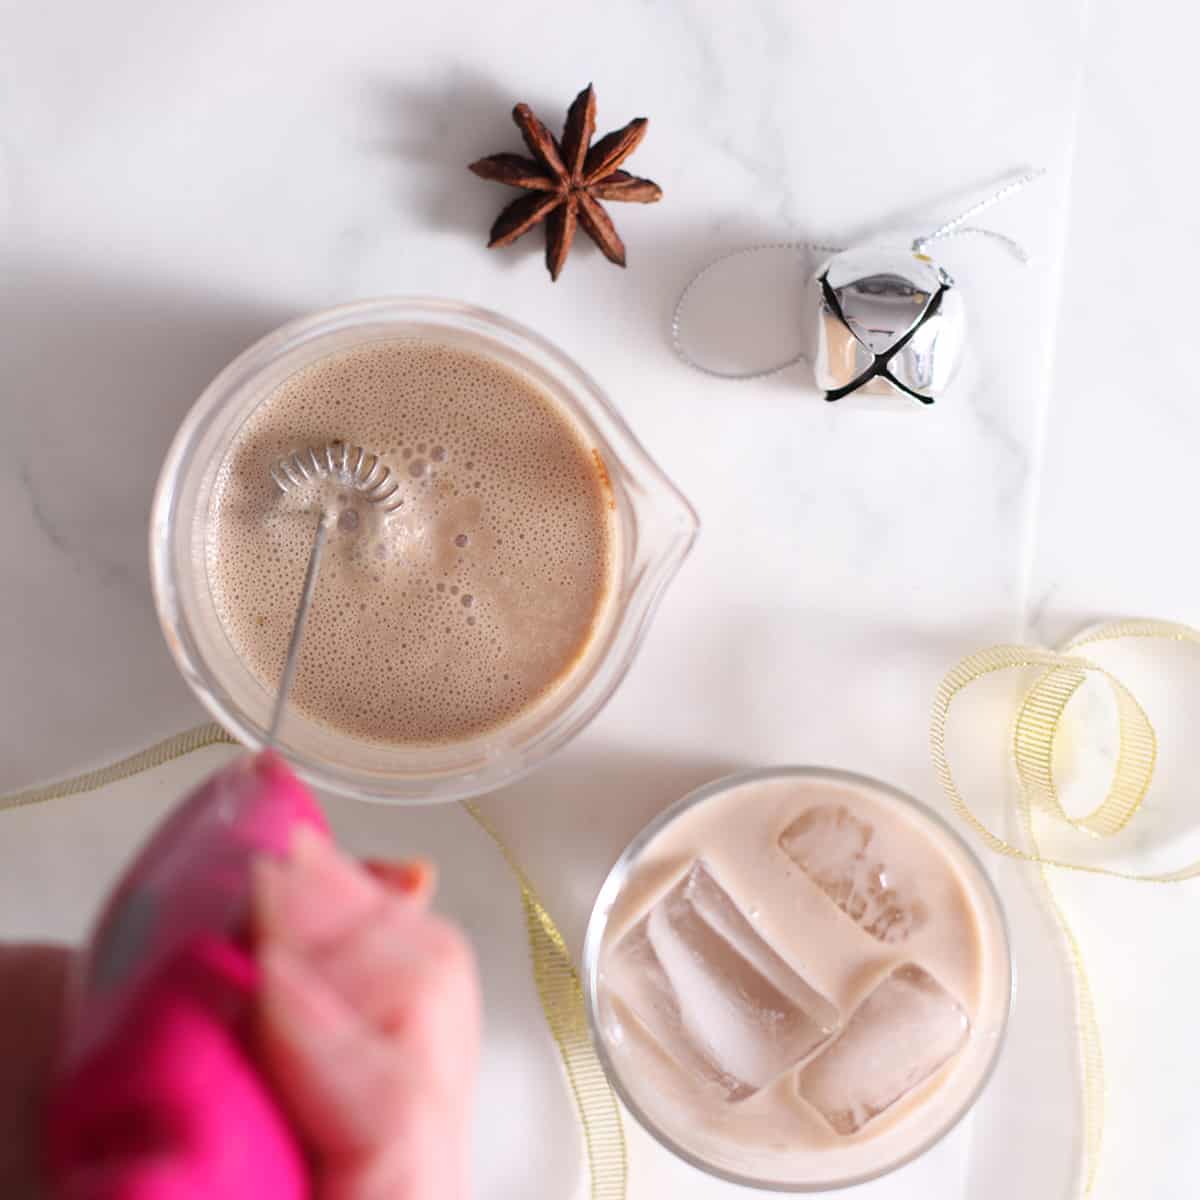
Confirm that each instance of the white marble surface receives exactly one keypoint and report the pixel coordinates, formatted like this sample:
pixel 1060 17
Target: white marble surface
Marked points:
pixel 175 180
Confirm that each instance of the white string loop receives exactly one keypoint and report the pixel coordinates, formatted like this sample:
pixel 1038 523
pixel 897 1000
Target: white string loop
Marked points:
pixel 955 227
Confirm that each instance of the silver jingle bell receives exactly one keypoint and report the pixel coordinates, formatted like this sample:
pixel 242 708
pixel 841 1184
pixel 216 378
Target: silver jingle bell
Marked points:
pixel 888 320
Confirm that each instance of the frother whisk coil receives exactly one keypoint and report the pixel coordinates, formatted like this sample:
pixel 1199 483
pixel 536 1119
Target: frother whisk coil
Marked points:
pixel 350 465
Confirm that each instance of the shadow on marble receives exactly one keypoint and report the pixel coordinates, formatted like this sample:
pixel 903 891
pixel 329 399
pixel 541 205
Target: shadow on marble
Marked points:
pixel 897 670
pixel 443 128
pixel 98 372
pixel 477 890
pixel 1051 626
pixel 569 821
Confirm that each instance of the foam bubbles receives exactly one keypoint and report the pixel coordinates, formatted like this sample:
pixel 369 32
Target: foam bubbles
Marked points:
pixel 460 611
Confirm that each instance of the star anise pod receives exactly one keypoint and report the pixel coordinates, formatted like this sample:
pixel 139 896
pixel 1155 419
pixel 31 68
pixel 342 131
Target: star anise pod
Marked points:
pixel 566 180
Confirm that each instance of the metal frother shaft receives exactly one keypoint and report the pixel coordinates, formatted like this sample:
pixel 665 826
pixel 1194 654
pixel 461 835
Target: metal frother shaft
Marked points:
pixel 355 468
pixel 293 650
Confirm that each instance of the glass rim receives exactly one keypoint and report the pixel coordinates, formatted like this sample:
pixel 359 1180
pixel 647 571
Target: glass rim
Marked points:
pixel 586 400
pixel 619 874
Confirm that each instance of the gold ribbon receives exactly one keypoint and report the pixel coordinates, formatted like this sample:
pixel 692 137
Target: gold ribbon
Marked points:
pixel 157 755
pixel 562 1001
pixel 1038 721
pixel 556 980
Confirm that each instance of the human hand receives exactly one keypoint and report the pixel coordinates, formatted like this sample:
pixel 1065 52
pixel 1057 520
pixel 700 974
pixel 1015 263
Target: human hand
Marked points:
pixel 32 988
pixel 369 1022
pixel 369 1029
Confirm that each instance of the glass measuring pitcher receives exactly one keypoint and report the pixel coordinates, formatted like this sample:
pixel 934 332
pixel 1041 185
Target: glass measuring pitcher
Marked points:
pixel 654 528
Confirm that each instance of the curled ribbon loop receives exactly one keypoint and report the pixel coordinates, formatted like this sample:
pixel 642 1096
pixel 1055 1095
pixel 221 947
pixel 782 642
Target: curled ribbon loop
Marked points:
pixel 1038 722
pixel 1033 745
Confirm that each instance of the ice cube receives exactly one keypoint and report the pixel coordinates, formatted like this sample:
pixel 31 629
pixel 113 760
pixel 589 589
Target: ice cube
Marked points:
pixel 897 1037
pixel 834 848
pixel 713 993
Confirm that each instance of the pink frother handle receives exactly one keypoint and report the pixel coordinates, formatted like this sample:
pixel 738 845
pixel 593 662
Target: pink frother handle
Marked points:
pixel 158 1096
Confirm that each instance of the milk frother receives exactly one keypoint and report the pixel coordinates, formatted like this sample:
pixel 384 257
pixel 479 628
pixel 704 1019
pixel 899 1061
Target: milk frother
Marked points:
pixel 157 1095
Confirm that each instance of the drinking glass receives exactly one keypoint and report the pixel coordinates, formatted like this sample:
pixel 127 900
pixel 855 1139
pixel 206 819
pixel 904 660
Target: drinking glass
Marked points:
pixel 769 1168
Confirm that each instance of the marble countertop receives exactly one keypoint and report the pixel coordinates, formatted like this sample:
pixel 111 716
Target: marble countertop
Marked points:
pixel 176 180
